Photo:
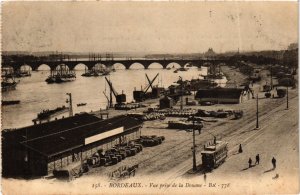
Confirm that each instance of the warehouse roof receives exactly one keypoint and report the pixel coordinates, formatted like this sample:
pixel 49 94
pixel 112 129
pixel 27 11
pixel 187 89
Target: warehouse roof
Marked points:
pixel 38 130
pixel 225 93
pixel 74 137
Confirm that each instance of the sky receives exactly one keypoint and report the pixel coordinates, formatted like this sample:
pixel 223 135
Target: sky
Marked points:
pixel 148 27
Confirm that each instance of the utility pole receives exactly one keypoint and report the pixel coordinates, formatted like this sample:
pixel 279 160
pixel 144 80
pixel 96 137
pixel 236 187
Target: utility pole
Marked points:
pixel 271 76
pixel 194 147
pixel 181 100
pixel 257 126
pixel 287 97
pixel 70 104
pixel 110 97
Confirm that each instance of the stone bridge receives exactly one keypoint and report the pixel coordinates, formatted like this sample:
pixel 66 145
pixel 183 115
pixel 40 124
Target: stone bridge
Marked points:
pixel 108 63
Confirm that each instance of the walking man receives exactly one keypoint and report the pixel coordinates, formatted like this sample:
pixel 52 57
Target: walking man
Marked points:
pixel 257 159
pixel 274 163
pixel 250 162
pixel 240 149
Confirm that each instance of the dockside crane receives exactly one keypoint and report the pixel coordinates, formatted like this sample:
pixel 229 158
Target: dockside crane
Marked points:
pixel 150 83
pixel 140 96
pixel 120 98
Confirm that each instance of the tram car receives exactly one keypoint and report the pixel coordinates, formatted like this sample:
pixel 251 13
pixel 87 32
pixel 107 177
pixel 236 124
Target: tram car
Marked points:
pixel 214 154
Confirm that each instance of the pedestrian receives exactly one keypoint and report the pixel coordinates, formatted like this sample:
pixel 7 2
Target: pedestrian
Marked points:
pixel 274 163
pixel 240 149
pixel 250 162
pixel 257 159
pixel 204 177
pixel 199 131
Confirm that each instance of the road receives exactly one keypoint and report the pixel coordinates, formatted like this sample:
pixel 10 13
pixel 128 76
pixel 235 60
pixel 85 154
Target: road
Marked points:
pixel 277 137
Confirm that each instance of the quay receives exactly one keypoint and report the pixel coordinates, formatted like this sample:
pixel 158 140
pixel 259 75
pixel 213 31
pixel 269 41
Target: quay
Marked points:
pixel 42 148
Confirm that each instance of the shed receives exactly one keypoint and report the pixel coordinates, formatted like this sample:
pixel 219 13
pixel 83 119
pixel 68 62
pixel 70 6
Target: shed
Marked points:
pixel 166 102
pixel 220 95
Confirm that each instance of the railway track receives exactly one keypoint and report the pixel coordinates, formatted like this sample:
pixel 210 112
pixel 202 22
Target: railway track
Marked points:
pixel 183 146
pixel 176 172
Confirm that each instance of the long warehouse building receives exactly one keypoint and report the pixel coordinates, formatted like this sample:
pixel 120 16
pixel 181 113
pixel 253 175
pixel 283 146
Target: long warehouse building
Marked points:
pixel 37 150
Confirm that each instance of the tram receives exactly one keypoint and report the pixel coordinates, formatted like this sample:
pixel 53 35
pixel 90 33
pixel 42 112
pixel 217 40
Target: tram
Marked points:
pixel 214 154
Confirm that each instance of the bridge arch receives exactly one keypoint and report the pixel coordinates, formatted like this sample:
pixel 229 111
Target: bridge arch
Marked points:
pixel 57 67
pixel 25 67
pixel 80 66
pixel 173 65
pixel 190 64
pixel 119 66
pixel 97 65
pixel 155 65
pixel 136 65
pixel 42 67
pixel 7 69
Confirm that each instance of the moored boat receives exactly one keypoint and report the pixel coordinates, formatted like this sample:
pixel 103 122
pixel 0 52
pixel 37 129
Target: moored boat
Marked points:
pixel 45 114
pixel 81 104
pixel 60 75
pixel 9 102
pixel 8 84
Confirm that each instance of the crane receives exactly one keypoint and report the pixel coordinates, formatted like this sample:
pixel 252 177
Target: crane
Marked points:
pixel 150 82
pixel 120 98
pixel 142 95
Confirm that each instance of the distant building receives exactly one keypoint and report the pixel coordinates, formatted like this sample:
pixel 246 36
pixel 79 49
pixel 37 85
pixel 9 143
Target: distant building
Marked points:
pixel 39 149
pixel 210 53
pixel 293 46
pixel 220 95
pixel 166 102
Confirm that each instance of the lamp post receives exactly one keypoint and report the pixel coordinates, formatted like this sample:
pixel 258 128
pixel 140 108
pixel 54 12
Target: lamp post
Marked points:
pixel 70 104
pixel 257 126
pixel 194 147
pixel 271 83
pixel 287 97
pixel 181 100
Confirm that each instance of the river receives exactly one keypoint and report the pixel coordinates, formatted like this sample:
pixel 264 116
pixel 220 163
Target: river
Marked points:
pixel 36 95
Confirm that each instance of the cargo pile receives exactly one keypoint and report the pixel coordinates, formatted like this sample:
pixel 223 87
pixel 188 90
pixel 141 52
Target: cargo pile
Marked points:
pixel 185 125
pixel 114 155
pixel 153 116
pixel 149 141
pixel 121 151
pixel 177 112
pixel 129 106
pixel 216 114
pixel 199 119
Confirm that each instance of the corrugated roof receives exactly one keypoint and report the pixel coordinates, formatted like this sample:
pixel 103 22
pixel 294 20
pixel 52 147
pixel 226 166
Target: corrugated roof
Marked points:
pixel 219 93
pixel 72 138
